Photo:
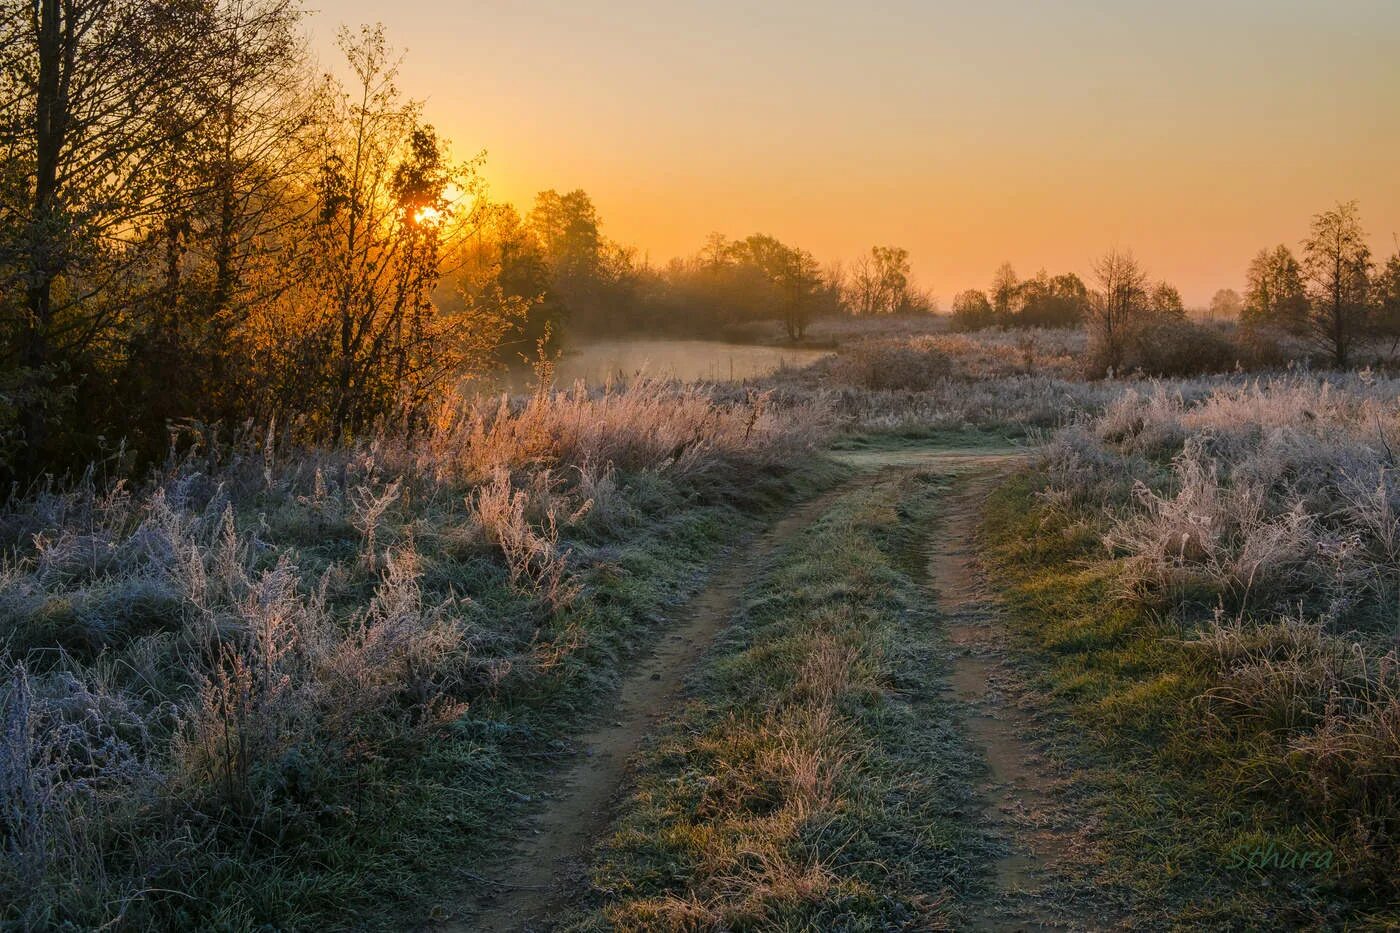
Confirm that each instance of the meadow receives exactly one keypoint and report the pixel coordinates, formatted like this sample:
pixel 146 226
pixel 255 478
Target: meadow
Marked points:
pixel 279 684
pixel 392 539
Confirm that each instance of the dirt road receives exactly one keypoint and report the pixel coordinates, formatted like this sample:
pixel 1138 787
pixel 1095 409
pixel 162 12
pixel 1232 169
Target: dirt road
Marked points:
pixel 1019 802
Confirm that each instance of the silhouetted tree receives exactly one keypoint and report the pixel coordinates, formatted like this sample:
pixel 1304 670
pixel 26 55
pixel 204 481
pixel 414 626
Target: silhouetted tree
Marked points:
pixel 972 310
pixel 1005 293
pixel 229 227
pixel 1226 304
pixel 1061 301
pixel 1337 262
pixel 881 283
pixel 1274 294
pixel 91 99
pixel 1165 301
pixel 1120 300
pixel 1385 303
pixel 362 338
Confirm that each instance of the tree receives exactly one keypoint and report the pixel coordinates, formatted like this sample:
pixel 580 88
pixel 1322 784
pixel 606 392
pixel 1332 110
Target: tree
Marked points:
pixel 1164 301
pixel 1118 303
pixel 863 286
pixel 880 283
pixel 90 102
pixel 502 291
pixel 228 227
pixel 1062 301
pixel 972 310
pixel 1274 293
pixel 1385 302
pixel 1337 263
pixel 801 281
pixel 892 273
pixel 363 338
pixel 1226 305
pixel 1005 293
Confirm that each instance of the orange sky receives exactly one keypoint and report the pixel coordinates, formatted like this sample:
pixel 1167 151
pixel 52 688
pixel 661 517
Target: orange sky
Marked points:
pixel 1039 131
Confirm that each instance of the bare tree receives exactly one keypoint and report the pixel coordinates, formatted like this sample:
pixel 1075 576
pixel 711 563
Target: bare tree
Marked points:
pixel 1337 262
pixel 863 289
pixel 1119 301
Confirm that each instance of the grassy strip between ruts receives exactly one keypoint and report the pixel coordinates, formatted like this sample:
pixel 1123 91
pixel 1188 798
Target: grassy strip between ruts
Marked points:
pixel 815 780
pixel 1179 828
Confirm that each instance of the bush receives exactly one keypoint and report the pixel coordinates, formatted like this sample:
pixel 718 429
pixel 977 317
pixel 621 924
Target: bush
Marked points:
pixel 1165 346
pixel 1274 505
pixel 891 364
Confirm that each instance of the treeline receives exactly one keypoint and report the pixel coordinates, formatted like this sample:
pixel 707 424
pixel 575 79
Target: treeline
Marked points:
pixel 1333 302
pixel 556 264
pixel 1044 301
pixel 1330 306
pixel 1336 298
pixel 197 229
pixel 194 227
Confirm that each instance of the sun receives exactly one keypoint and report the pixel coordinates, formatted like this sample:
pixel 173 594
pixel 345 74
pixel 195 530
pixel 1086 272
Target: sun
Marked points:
pixel 454 202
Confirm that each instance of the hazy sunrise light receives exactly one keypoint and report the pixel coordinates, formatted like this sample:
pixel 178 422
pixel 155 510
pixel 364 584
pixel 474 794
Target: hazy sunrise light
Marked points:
pixel 497 466
pixel 969 133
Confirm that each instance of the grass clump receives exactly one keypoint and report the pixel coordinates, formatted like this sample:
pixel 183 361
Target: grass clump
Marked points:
pixel 1211 584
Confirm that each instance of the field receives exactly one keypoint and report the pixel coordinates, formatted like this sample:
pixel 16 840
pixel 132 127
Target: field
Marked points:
pixel 754 468
pixel 933 633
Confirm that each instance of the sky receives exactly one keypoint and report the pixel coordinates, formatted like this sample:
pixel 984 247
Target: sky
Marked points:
pixel 1039 132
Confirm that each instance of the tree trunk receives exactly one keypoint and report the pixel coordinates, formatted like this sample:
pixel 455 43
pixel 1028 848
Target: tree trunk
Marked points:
pixel 49 123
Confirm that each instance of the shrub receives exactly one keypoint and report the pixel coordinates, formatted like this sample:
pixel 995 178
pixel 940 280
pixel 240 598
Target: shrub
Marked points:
pixel 200 672
pixel 1275 504
pixel 890 365
pixel 1163 345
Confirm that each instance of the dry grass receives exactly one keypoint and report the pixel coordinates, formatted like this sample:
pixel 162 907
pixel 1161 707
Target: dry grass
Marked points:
pixel 195 667
pixel 1259 522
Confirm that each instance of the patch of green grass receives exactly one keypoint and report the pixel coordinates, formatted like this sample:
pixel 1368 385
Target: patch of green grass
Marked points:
pixel 1181 815
pixel 815 780
pixel 971 437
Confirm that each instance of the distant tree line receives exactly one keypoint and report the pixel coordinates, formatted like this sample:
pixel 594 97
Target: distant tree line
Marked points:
pixel 573 280
pixel 1044 301
pixel 1336 297
pixel 1335 301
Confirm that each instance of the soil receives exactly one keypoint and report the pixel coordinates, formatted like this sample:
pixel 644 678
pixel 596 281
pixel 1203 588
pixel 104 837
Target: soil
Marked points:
pixel 1027 805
